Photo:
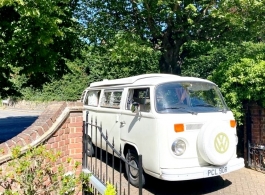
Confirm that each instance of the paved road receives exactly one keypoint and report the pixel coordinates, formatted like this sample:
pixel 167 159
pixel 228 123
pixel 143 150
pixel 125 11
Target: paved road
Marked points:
pixel 12 122
pixel 241 182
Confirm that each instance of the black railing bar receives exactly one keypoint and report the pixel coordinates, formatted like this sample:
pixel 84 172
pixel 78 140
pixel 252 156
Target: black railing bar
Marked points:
pixel 96 142
pixel 106 156
pixel 91 133
pixel 84 148
pixel 120 170
pixel 129 151
pixel 113 162
pixel 85 140
pixel 140 174
pixel 101 156
pixel 129 190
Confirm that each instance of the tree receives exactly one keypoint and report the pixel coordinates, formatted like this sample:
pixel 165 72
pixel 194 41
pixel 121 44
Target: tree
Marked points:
pixel 36 39
pixel 241 77
pixel 204 57
pixel 169 24
pixel 123 56
pixel 68 88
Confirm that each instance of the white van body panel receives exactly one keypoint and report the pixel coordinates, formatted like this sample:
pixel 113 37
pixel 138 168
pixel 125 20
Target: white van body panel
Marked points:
pixel 152 133
pixel 167 136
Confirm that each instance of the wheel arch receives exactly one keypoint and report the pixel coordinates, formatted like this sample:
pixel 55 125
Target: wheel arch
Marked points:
pixel 129 146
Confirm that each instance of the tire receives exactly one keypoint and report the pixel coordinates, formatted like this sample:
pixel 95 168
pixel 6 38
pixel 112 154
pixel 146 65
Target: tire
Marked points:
pixel 216 143
pixel 133 174
pixel 90 148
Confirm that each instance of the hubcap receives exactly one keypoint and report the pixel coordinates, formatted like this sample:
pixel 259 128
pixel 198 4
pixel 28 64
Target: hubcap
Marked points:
pixel 133 171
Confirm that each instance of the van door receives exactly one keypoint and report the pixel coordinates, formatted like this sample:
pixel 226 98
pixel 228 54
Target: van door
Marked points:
pixel 108 117
pixel 139 128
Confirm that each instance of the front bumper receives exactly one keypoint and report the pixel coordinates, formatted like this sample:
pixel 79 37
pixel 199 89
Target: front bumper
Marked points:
pixel 201 172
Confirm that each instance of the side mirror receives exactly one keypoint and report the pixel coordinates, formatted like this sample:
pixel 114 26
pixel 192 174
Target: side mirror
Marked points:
pixel 135 107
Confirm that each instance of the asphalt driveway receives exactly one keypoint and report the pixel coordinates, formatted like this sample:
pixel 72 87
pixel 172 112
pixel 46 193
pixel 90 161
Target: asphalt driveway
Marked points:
pixel 12 122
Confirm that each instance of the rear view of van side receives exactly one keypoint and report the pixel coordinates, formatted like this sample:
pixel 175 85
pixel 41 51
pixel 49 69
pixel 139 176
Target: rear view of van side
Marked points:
pixel 181 126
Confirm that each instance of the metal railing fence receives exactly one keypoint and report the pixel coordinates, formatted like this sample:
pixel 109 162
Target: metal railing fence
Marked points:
pixel 256 156
pixel 105 167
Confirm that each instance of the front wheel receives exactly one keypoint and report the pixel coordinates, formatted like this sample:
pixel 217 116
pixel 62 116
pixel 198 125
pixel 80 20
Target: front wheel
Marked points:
pixel 133 173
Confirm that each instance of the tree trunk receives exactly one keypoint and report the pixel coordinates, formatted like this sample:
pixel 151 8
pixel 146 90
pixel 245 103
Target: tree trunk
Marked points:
pixel 170 61
pixel 170 64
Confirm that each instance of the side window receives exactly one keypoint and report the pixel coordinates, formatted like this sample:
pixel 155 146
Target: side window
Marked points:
pixel 111 99
pixel 92 98
pixel 141 96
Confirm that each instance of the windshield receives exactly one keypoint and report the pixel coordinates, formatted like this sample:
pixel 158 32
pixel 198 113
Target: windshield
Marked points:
pixel 190 97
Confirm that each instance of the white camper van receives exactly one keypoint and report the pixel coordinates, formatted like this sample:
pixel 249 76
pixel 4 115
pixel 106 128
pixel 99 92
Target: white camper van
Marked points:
pixel 180 125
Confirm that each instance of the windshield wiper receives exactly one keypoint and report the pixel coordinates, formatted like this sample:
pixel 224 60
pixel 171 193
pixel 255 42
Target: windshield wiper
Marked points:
pixel 203 105
pixel 183 109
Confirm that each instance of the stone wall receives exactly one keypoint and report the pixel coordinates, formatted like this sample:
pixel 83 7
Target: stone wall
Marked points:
pixel 59 127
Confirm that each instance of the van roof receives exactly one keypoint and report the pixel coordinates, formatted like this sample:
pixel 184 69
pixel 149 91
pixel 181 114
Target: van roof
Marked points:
pixel 128 80
pixel 144 79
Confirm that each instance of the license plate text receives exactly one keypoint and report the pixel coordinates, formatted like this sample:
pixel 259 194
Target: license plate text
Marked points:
pixel 217 171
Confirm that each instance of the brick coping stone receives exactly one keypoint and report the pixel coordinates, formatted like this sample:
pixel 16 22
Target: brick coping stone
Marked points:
pixel 42 129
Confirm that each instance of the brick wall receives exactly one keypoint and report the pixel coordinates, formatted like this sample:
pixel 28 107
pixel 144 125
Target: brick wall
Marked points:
pixel 59 127
pixel 254 126
pixel 257 123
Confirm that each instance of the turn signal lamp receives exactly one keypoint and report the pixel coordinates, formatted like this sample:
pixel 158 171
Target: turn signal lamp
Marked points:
pixel 178 128
pixel 232 123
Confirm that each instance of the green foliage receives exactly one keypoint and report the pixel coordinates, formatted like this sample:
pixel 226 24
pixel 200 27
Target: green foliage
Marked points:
pixel 110 190
pixel 242 77
pixel 69 88
pixel 37 172
pixel 36 38
pixel 85 177
pixel 202 58
pixel 168 24
pixel 125 55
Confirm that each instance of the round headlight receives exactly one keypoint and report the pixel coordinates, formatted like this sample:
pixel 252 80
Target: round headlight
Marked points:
pixel 178 147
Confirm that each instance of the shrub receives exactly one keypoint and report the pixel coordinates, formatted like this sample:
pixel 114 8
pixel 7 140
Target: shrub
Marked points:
pixel 110 190
pixel 36 172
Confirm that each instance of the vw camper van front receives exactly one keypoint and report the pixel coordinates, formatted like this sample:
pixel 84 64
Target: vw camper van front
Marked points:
pixel 197 131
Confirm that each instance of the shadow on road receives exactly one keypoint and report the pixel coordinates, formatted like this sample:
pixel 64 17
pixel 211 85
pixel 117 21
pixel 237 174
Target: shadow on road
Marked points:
pixel 190 187
pixel 12 126
pixel 161 187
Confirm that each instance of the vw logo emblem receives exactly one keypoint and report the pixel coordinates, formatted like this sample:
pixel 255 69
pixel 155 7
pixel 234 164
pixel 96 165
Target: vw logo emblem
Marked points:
pixel 221 143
